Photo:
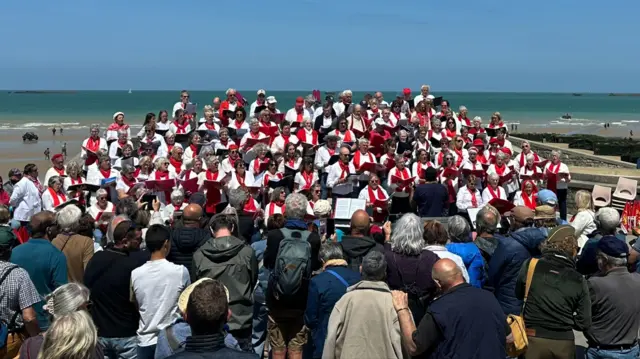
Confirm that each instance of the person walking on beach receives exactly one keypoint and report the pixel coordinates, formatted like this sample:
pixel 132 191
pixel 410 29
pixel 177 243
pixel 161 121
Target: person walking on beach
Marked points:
pixel 47 153
pixel 61 130
pixel 53 130
pixel 64 147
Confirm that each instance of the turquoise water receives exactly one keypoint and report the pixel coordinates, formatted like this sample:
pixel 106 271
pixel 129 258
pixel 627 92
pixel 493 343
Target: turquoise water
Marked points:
pixel 78 110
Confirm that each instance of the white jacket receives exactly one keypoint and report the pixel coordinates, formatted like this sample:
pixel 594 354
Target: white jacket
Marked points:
pixel 25 200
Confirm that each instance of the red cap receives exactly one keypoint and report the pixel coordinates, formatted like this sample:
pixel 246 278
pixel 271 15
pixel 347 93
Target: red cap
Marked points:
pixel 478 143
pixel 406 91
pixel 233 147
pixel 493 140
pixel 505 150
pixel 299 100
pixel 57 157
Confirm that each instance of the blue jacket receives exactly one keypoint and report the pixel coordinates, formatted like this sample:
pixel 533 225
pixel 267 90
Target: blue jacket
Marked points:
pixel 324 291
pixel 472 259
pixel 506 262
pixel 587 263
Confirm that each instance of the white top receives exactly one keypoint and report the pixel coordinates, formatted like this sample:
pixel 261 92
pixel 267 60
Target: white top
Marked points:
pixel 173 128
pixel 296 165
pixel 163 150
pixel 510 186
pixel 25 200
pixel 335 173
pixel 101 147
pixel 226 166
pixel 499 191
pixel 169 209
pixel 278 145
pixel 518 200
pixel 234 183
pixel 113 134
pixel 584 224
pixel 94 210
pixel 156 286
pixel 94 176
pixel 271 209
pixel 51 172
pixel 113 150
pixel 67 182
pixel 416 172
pixel 364 158
pixel 177 106
pixel 292 115
pixel 47 201
pixel 364 194
pixel 118 163
pixel 322 158
pixel 339 108
pixel 562 183
pixel 246 136
pixel 442 252
pixel 252 108
pixel 463 201
pixel 400 174
pixel 302 183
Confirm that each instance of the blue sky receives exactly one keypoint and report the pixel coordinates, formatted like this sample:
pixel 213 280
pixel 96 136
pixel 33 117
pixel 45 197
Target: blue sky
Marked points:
pixel 462 45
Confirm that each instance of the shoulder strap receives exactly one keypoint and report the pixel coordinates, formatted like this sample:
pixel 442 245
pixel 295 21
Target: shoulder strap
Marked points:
pixel 287 233
pixel 338 276
pixel 532 267
pixel 6 273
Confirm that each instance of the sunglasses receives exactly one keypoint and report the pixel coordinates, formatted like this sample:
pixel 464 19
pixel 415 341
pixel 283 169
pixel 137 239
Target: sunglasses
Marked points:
pixel 240 114
pixel 344 155
pixel 185 96
pixel 459 141
pixel 374 181
pixel 233 152
pixel 102 198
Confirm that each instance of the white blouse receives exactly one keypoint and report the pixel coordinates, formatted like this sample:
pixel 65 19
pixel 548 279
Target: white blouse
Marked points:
pixel 464 202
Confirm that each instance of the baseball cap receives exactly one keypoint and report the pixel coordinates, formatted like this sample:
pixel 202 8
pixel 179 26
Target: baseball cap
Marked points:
pixel 15 172
pixel 271 99
pixel 614 247
pixel 561 233
pixel 406 91
pixel 522 213
pixel 183 300
pixel 547 197
pixel 310 98
pixel 261 92
pixel 299 100
pixel 545 212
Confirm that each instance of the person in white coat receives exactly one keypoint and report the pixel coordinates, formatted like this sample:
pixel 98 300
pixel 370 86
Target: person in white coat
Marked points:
pixel 25 197
pixel 584 219
pixel 54 195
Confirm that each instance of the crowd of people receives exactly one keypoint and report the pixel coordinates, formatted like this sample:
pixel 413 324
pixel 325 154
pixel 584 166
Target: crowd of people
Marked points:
pixel 219 237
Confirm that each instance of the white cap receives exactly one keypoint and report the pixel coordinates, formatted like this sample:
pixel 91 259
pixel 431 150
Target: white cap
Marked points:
pixel 261 92
pixel 272 99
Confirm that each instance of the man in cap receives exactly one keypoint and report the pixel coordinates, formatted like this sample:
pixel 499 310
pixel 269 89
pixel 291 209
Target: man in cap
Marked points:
pixel 548 198
pixel 57 169
pixel 271 105
pixel 297 113
pixel 15 175
pixel 522 243
pixel 615 309
pixel 260 101
pixel 558 300
pixel 608 220
pixel 407 101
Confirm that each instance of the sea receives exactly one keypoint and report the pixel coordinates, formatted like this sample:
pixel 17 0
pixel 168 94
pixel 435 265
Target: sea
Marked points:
pixel 78 110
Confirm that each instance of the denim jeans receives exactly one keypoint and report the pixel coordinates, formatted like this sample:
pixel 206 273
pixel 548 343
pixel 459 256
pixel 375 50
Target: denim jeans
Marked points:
pixel 595 353
pixel 119 348
pixel 260 312
pixel 148 352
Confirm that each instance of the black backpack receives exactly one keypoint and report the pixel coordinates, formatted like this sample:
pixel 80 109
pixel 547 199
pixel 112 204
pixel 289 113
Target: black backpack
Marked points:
pixel 6 328
pixel 293 263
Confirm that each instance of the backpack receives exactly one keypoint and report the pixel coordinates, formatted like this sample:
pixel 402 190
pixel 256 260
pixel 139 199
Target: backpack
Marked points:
pixel 293 263
pixel 6 328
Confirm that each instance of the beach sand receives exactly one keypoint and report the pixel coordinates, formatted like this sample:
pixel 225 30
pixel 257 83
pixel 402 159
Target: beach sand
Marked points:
pixel 15 153
pixel 614 131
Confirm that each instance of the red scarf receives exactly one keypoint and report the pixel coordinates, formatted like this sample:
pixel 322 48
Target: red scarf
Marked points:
pixel 60 172
pixel 347 136
pixel 213 196
pixel 300 115
pixel 372 195
pixel 272 207
pixel 421 171
pixel 397 115
pixel 56 197
pixel 181 128
pixel 493 194
pixel 555 169
pixel 162 175
pixel 224 143
pixel 501 143
pixel 238 124
pixel 250 206
pixel 308 179
pixel 331 152
pixel 451 190
pixel 302 136
pixel 529 201
pixel 474 200
pixel 292 162
pixel 105 173
pixel 500 170
pixel 194 149
pixel 423 119
pixel 129 182
pixel 286 139
pixel 459 156
pixel 404 174
pixel 211 127
pixel 176 164
pixel 79 181
pixel 356 158
pixel 93 145
pixel 136 173
pixel 523 158
pixel 241 179
pixel 256 136
pixel 449 133
pixel 268 176
pixel 211 176
pixel 115 127
pixel 170 147
pixel 256 165
pixel 345 170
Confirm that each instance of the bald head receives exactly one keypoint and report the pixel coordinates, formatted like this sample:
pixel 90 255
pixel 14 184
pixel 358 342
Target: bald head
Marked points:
pixel 40 222
pixel 360 223
pixel 447 273
pixel 192 213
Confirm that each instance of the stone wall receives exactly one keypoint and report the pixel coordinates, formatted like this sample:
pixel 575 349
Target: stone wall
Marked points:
pixel 571 157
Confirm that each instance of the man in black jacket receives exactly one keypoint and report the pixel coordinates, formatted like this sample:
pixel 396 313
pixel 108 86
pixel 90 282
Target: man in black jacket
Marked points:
pixel 358 244
pixel 286 314
pixel 187 239
pixel 207 312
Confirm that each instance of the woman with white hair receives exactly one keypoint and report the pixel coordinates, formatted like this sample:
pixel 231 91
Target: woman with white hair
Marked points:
pixel 463 116
pixel 74 177
pixel 54 195
pixel 168 145
pixel 71 336
pixel 176 162
pixel 306 134
pixel 198 166
pixel 493 189
pixel 78 249
pixel 102 172
pixel 101 206
pixel 254 134
pixel 409 264
pixel 127 158
pixel 177 204
pixel 181 124
pixel 92 145
pixel 558 177
pixel 503 171
pixel 126 182
pixel 530 170
pixel 477 127
pixel 435 134
pixel 346 97
pixel 257 166
pixel 116 147
pixel 584 219
pixel 223 142
pixel 143 172
pixel 113 131
pixel 240 177
pixel 276 203
pixel 356 121
pixel 207 122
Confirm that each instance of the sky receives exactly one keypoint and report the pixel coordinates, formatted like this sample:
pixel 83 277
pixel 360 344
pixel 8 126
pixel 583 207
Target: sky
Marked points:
pixel 459 45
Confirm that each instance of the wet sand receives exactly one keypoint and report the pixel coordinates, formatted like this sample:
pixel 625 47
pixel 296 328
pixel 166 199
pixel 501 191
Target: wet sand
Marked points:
pixel 613 131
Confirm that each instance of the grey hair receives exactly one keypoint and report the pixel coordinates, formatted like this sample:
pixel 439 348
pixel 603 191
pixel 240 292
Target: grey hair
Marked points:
pixel 102 192
pixel 329 251
pixel 458 229
pixel 501 155
pixel 229 90
pixel 347 93
pixel 529 157
pixel 169 134
pixel 556 152
pixel 610 261
pixel 296 206
pixel 403 133
pixel 462 108
pixel 398 157
pixel 345 146
pixel 73 167
pixel 374 266
pixel 53 180
pixel 211 161
pixel 208 110
pixel 122 133
pixel 67 298
pixel 127 168
pixel 69 217
pixel 206 151
pixel 71 336
pixel 260 147
pixel 159 161
pixel 608 219
pixel 494 176
pixel 254 121
pixel 275 195
pixel 177 195
pixel 229 211
pixel 436 123
pixel 362 141
pixel 103 158
pixel 95 126
pixel 265 112
pixel 322 208
pixel 487 220
pixel 237 198
pixel 407 238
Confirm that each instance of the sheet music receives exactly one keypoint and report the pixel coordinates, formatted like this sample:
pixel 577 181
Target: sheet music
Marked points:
pixel 345 207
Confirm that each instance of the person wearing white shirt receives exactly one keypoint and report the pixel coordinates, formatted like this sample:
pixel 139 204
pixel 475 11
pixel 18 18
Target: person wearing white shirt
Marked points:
pixel 101 206
pixel 212 174
pixel 54 195
pixel 527 195
pixel 424 93
pixel 322 158
pixel 493 190
pixel 530 170
pixel 297 113
pixel 344 133
pixel 260 101
pixel 209 121
pixel 502 140
pixel 182 104
pixel 224 143
pixel 469 196
pixel 58 168
pixel 558 177
pixel 123 139
pixel 346 97
pixel 177 204
pixel 118 125
pixel 444 153
pixel 94 144
pixel 25 198
pixel 324 119
pixel 356 121
pixel 279 143
pixel 502 170
pixel 338 178
pixel 276 204
pixel 307 177
pixel 74 177
pixel 125 182
pixel 163 121
pixel 228 164
pixel 181 124
pixel 192 150
pixel 240 177
pixel 271 105
pixel 254 133
pixel 104 170
pixel 419 167
pixel 168 145
pixel 472 164
pixel 150 136
pixel 374 192
pixel 150 119
pixel 584 219
pixel 127 158
pixel 361 157
pixel 162 173
pixel 176 162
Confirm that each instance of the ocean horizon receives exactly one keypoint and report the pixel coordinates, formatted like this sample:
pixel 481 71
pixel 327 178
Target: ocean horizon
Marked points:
pixel 80 109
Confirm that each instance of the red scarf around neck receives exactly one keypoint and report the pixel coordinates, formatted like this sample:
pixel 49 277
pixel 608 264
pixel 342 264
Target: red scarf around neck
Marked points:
pixel 129 182
pixel 308 179
pixel 554 168
pixel 176 164
pixel 181 128
pixel 105 173
pixel 286 139
pixel 272 208
pixel 250 206
pixel 93 145
pixel 241 179
pixel 56 197
pixel 345 169
pixel 500 170
pixel 211 176
pixel 356 158
pixel 474 200
pixel 60 172
pixel 194 149
pixel 529 201
pixel 347 135
pixel 299 115
pixel 238 124
pixel 376 195
pixel 211 126
pixel 302 136
pixel 493 193
pixel 76 181
pixel 160 175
